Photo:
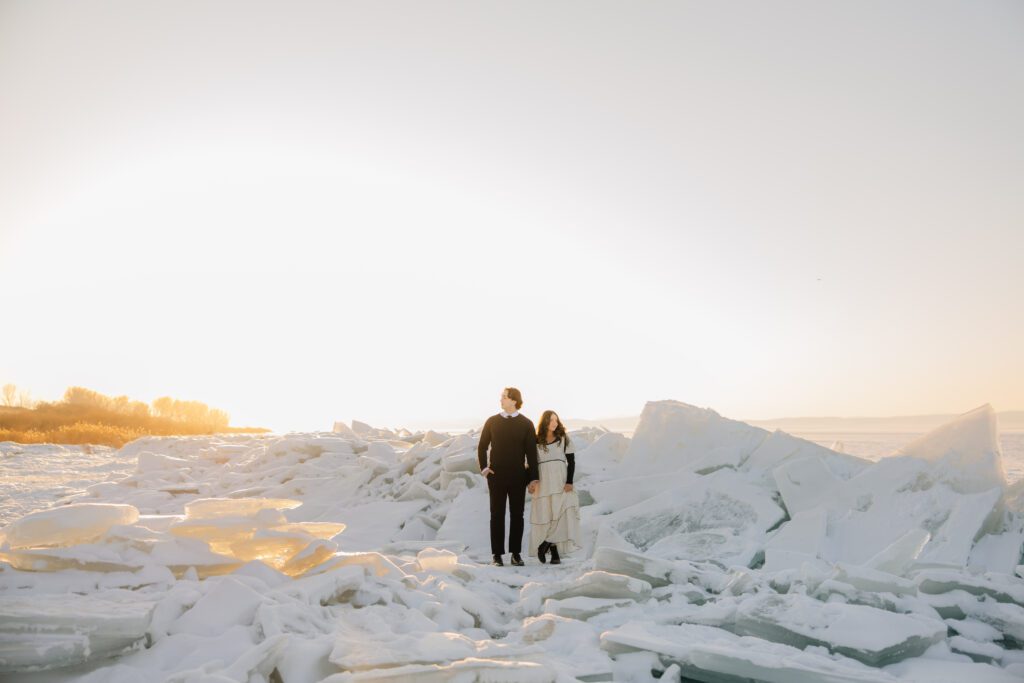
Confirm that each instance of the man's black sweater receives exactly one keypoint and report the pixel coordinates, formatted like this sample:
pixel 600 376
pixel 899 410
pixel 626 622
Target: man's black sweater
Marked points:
pixel 513 443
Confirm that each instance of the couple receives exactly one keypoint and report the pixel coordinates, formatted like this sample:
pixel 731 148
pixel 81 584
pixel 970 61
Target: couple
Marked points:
pixel 513 468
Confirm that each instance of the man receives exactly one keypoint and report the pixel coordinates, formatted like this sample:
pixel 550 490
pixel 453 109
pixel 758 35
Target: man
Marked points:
pixel 513 462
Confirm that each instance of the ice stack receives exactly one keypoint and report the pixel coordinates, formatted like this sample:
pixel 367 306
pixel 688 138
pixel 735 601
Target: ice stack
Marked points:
pixel 713 550
pixel 870 563
pixel 215 536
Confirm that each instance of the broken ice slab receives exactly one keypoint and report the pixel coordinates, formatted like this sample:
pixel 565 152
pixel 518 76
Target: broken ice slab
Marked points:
pixel 780 447
pixel 374 562
pixel 31 651
pixel 673 435
pixel 582 607
pixel 998 552
pixel 417 489
pixel 447 478
pixel 884 502
pixel 358 648
pixel 800 538
pixel 181 555
pixel 965 450
pixel 178 490
pixel 213 508
pixel 469 669
pixel 621 492
pixel 323 530
pixel 593 584
pixel 287 548
pixel 899 556
pixel 975 630
pixel 272 548
pixel 461 442
pixel 432 438
pixel 971 516
pixel 717 517
pixel 413 547
pixel 945 670
pixel 283 545
pixel 565 636
pixel 609 447
pixel 714 655
pixel 599 584
pixel 659 572
pixel 226 602
pixel 326 588
pixel 56 630
pixel 226 529
pixel 67 525
pixel 1005 617
pixel 436 560
pixel 312 556
pixel 1001 587
pixel 867 579
pixel 83 557
pixel 461 461
pixel 376 466
pixel 980 652
pixel 807 483
pixel 153 462
pixel 873 636
pixel 882 517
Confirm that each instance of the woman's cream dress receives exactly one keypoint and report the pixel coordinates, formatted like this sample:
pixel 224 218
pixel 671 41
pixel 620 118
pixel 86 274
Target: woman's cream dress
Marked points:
pixel 554 514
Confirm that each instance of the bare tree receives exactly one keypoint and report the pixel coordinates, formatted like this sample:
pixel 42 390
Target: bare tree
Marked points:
pixel 25 400
pixel 9 392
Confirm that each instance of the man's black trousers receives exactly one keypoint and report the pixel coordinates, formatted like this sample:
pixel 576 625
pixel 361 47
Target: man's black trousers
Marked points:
pixel 514 491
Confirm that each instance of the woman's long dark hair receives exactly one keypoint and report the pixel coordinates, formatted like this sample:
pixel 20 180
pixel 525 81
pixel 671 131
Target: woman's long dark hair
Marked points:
pixel 542 430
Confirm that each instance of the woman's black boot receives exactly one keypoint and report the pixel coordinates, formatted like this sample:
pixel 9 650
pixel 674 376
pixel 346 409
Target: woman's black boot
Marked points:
pixel 555 559
pixel 542 550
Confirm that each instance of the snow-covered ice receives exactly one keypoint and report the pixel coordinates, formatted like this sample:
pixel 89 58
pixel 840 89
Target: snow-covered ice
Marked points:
pixel 712 551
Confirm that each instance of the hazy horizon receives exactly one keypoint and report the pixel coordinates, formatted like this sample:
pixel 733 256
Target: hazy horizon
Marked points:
pixel 921 420
pixel 322 211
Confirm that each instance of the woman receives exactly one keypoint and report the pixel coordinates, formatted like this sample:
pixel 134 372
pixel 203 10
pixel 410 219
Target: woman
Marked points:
pixel 555 508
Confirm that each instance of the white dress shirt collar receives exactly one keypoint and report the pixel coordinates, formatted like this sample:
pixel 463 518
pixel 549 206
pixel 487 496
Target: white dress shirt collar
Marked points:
pixel 504 414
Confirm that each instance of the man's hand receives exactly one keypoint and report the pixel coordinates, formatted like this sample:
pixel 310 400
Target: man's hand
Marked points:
pixel 487 471
pixel 567 488
pixel 532 486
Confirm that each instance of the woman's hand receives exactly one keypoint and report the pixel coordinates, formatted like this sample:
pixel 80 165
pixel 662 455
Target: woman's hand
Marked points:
pixel 567 488
pixel 487 471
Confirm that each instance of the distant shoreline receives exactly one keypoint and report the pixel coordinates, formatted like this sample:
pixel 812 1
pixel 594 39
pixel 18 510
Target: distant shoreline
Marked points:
pixel 1009 422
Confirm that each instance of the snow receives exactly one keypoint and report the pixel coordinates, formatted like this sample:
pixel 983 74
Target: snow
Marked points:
pixel 712 551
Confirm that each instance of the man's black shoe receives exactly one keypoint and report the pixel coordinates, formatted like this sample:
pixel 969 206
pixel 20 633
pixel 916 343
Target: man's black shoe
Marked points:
pixel 496 561
pixel 516 560
pixel 555 559
pixel 542 551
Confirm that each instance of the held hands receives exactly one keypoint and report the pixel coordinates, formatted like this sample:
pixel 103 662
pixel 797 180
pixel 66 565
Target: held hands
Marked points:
pixel 567 488
pixel 532 486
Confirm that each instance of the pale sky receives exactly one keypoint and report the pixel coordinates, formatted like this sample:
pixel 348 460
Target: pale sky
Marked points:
pixel 301 212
